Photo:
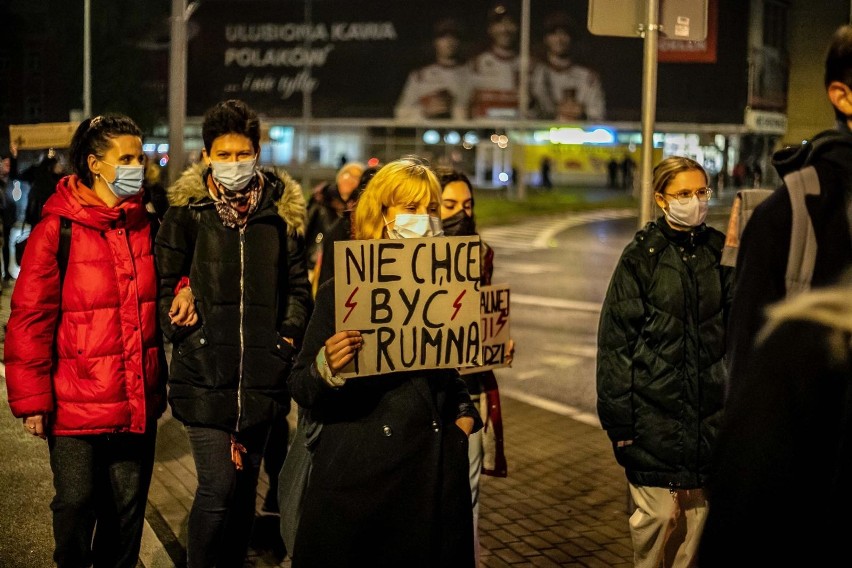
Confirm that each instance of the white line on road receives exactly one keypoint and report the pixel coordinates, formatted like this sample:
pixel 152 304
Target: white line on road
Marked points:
pixel 561 361
pixel 575 349
pixel 575 305
pixel 527 375
pixel 549 233
pixel 551 406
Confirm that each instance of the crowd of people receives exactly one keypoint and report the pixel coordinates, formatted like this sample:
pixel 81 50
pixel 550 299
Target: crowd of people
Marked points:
pixel 220 273
pixel 725 397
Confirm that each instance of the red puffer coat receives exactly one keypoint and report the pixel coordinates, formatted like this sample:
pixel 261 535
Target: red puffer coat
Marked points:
pixel 107 370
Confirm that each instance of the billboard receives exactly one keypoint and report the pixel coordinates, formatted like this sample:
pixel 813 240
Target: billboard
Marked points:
pixel 442 59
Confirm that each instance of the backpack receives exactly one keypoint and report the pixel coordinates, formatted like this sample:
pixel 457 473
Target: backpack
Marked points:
pixel 64 249
pixel 803 245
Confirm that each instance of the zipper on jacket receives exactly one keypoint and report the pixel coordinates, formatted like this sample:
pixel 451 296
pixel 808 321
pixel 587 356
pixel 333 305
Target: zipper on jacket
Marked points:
pixel 242 324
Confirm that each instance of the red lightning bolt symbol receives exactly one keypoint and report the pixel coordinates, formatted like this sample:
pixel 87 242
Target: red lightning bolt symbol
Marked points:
pixel 350 304
pixel 501 320
pixel 457 305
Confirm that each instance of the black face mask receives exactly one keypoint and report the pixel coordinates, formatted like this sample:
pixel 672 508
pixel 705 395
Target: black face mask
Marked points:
pixel 459 225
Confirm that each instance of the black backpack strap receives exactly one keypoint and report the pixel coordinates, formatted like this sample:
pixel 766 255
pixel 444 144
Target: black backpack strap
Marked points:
pixel 64 249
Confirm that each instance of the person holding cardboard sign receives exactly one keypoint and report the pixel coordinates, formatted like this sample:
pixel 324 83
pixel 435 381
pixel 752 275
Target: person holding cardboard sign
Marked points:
pixel 388 483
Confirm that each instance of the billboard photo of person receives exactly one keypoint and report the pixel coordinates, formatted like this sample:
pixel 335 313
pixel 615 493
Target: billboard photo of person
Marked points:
pixel 495 71
pixel 438 90
pixel 560 89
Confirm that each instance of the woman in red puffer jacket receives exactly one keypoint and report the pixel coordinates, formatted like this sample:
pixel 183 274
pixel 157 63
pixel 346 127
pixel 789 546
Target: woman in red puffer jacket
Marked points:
pixel 85 367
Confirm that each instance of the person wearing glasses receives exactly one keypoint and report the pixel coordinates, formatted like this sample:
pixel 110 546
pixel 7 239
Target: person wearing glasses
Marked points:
pixel 661 371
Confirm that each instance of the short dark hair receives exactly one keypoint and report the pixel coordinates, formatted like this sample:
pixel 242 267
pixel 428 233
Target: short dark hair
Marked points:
pixel 93 136
pixel 447 27
pixel 559 21
pixel 838 61
pixel 230 117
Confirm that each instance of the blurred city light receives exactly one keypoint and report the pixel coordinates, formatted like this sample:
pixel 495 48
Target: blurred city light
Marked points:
pixel 431 137
pixel 580 136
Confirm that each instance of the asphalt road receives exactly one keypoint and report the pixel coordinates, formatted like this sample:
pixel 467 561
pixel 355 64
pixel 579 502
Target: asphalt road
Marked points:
pixel 558 269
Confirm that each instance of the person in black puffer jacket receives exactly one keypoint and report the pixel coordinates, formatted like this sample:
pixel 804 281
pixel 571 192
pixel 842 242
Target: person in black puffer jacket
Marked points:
pixel 765 243
pixel 661 372
pixel 782 461
pixel 235 234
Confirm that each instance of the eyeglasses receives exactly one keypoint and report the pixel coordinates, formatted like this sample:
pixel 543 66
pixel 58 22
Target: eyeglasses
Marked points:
pixel 684 196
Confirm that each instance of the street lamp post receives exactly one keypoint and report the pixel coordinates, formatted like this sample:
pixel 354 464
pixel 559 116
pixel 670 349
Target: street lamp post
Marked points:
pixel 87 58
pixel 177 86
pixel 649 109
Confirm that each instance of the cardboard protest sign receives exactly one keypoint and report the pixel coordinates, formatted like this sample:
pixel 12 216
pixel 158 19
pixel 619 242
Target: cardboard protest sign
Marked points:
pixel 415 301
pixel 42 136
pixel 494 315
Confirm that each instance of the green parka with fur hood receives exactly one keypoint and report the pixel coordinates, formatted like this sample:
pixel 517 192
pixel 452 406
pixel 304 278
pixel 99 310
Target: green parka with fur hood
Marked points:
pixel 251 288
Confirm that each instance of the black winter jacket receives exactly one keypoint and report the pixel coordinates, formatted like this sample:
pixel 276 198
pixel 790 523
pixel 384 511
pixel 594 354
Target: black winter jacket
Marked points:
pixel 251 288
pixel 661 344
pixel 784 451
pixel 389 480
pixel 765 242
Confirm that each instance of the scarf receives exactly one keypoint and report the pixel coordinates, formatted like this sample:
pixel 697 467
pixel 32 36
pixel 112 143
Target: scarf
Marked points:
pixel 234 208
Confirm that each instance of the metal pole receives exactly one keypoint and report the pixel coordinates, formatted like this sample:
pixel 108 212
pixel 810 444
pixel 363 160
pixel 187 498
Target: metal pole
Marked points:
pixel 177 90
pixel 523 98
pixel 87 58
pixel 649 106
pixel 307 109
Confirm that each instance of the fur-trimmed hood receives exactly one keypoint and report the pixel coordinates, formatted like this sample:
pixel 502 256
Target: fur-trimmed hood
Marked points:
pixel 190 189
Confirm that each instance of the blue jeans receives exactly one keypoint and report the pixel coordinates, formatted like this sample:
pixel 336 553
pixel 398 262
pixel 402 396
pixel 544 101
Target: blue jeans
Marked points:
pixel 101 484
pixel 222 515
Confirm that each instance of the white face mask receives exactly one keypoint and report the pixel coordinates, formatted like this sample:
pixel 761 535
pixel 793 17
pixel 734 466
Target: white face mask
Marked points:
pixel 410 226
pixel 690 215
pixel 233 176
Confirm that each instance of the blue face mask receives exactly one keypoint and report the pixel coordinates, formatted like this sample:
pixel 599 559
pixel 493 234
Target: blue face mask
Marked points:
pixel 128 180
pixel 233 176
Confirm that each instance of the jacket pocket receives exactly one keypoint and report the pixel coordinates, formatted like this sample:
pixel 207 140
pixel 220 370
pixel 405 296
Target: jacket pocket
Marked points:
pixel 284 350
pixel 81 352
pixel 192 342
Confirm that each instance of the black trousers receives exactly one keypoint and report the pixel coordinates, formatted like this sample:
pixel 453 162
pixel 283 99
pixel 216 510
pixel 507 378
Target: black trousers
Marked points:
pixel 101 484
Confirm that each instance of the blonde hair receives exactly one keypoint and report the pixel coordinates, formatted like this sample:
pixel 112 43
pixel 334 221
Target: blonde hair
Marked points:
pixel 665 171
pixel 407 180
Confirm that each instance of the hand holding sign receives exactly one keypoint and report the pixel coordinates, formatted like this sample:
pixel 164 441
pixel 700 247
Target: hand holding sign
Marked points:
pixel 341 348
